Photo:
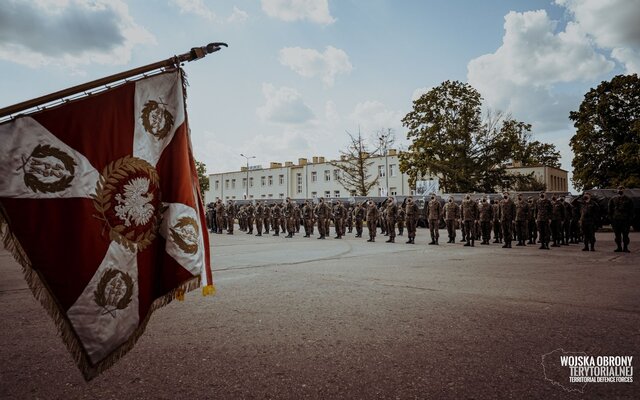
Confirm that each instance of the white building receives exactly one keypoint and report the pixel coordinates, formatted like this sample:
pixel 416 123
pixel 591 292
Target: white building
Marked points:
pixel 304 180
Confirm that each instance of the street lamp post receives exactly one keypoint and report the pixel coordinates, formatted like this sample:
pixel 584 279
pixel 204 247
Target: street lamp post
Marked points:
pixel 246 196
pixel 383 144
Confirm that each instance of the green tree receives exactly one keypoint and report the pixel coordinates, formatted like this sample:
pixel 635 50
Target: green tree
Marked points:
pixel 606 144
pixel 203 179
pixel 354 163
pixel 468 153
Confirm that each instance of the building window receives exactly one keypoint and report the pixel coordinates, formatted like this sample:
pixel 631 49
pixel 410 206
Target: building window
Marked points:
pixel 226 197
pixel 251 182
pixel 263 181
pixel 314 176
pixel 270 195
pixel 393 191
pixel 327 175
pixel 251 196
pixel 353 193
pixel 217 185
pixel 298 182
pixel 281 179
pixel 244 183
pixel 281 195
pixel 380 192
pixel 392 170
pixel 270 180
pixel 263 196
pixel 336 174
pixel 381 171
pixel 226 184
pixel 314 194
pixel 233 197
pixel 327 194
pixel 233 184
pixel 336 193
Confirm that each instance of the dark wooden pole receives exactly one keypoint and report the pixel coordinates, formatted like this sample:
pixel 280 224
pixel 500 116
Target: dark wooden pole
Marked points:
pixel 195 53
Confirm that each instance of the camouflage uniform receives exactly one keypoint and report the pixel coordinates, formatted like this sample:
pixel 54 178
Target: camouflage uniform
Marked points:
pixel 620 215
pixel 497 227
pixel 392 214
pixel 486 217
pixel 231 216
pixel 267 219
pixel 589 218
pixel 400 219
pixel 349 218
pixel 289 214
pixel 307 217
pixel 434 214
pixel 358 215
pixel 372 220
pixel 411 211
pixel 249 214
pixel 451 215
pixel 276 214
pixel 211 218
pixel 543 215
pixel 469 216
pixel 566 224
pixel 557 217
pixel 219 216
pixel 532 229
pixel 338 216
pixel 507 213
pixel 323 214
pixel 522 220
pixel 259 218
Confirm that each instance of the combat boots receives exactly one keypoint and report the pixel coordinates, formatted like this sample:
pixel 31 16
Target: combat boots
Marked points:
pixel 626 249
pixel 437 241
pixel 468 243
pixel 586 247
pixel 592 247
pixel 390 240
pixel 409 241
pixel 433 241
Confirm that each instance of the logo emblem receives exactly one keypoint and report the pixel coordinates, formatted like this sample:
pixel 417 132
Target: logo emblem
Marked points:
pixel 156 119
pixel 186 235
pixel 48 169
pixel 127 199
pixel 114 291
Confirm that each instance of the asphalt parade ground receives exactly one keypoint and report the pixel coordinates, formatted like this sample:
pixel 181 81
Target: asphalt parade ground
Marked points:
pixel 305 318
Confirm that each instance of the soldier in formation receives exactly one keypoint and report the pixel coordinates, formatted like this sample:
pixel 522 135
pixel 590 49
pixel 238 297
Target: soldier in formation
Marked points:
pixel 411 219
pixel 485 211
pixel 507 214
pixel 522 220
pixel 231 216
pixel 322 214
pixel 372 220
pixel 267 219
pixel 392 214
pixel 620 210
pixel 469 216
pixel 219 216
pixel 543 216
pixel 589 217
pixel 557 218
pixel 497 226
pixel 259 218
pixel 434 213
pixel 451 216
pixel 401 217
pixel 276 214
pixel 358 216
pixel 532 228
pixel 339 215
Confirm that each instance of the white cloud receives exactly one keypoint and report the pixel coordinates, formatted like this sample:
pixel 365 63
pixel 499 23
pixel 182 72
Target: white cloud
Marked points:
pixel 520 75
pixel 238 15
pixel 293 10
pixel 613 24
pixel 372 116
pixel 196 7
pixel 283 105
pixel 69 33
pixel 311 63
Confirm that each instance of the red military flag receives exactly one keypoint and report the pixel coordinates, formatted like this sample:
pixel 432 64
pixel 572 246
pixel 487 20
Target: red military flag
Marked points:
pixel 100 204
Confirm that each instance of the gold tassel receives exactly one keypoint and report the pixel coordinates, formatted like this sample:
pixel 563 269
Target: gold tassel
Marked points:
pixel 208 290
pixel 180 294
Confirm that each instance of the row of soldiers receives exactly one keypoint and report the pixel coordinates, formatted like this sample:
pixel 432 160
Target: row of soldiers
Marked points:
pixel 550 222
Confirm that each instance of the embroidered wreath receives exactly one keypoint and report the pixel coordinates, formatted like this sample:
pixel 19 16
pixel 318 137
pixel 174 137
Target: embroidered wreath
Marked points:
pixel 127 199
pixel 187 241
pixel 151 106
pixel 36 165
pixel 104 299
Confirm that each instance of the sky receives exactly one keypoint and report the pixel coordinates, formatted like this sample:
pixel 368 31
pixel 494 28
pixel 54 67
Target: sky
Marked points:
pixel 299 74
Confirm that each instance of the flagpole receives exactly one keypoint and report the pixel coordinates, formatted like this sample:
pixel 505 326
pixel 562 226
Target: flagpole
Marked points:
pixel 195 53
